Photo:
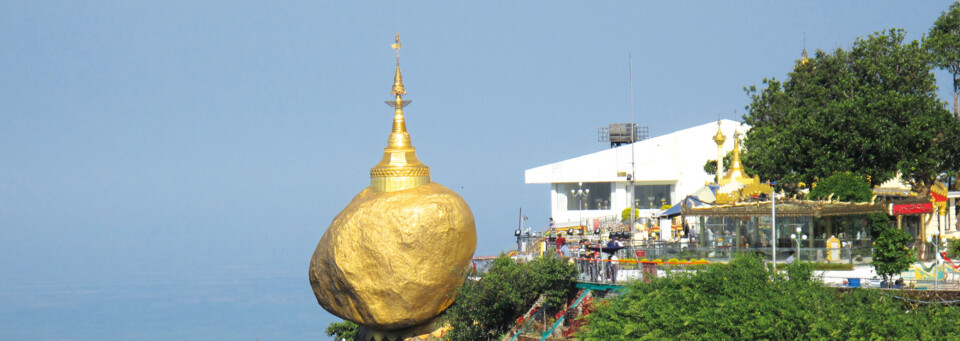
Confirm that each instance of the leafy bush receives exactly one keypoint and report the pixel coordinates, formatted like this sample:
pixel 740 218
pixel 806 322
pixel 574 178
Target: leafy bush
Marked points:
pixel 844 187
pixel 710 167
pixel 891 256
pixel 799 272
pixel 625 214
pixel 744 301
pixel 345 330
pixel 831 266
pixel 488 307
pixel 878 223
pixel 953 248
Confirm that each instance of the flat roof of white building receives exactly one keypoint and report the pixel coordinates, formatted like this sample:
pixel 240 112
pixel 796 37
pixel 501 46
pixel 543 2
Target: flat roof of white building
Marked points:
pixel 666 158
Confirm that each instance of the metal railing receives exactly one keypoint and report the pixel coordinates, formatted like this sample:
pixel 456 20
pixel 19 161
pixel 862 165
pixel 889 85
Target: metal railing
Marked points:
pixel 681 251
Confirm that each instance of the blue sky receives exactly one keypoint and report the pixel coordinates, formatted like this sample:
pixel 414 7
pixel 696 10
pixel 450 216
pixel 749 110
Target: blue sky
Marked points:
pixel 172 165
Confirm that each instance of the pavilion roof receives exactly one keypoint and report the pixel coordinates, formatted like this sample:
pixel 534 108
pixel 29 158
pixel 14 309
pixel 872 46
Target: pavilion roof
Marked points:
pixel 786 208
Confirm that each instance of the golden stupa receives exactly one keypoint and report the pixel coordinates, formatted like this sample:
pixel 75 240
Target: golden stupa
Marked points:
pixel 736 184
pixel 393 258
pixel 736 174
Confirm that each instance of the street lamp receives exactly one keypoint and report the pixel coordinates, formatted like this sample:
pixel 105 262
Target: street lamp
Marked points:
pixel 797 237
pixel 633 193
pixel 580 193
pixel 773 224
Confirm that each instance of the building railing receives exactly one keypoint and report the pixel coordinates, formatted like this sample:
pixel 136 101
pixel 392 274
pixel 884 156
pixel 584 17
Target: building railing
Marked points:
pixel 665 251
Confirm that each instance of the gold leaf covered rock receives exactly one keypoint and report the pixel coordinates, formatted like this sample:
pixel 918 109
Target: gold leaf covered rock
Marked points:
pixel 392 260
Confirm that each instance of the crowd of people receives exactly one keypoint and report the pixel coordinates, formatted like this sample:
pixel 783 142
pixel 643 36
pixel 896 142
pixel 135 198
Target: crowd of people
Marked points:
pixel 597 262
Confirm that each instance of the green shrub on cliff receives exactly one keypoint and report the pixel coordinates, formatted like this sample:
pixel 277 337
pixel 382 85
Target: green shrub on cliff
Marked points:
pixel 486 308
pixel 743 300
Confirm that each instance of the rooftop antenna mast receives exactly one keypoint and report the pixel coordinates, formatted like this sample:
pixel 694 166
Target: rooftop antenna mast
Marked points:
pixel 633 134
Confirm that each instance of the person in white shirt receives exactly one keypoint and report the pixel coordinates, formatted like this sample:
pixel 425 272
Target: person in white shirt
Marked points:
pixel 614 267
pixel 790 259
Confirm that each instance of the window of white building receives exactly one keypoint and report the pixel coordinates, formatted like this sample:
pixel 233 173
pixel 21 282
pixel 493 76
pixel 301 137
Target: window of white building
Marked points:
pixel 653 196
pixel 598 198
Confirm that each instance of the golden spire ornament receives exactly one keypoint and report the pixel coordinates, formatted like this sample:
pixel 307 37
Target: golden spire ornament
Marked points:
pixel 399 168
pixel 397 79
pixel 392 259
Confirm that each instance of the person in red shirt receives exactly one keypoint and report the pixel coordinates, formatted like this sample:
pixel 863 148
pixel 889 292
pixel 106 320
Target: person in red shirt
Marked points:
pixel 560 243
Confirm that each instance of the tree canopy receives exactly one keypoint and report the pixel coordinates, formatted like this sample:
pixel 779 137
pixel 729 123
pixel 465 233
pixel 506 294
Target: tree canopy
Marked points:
pixel 744 300
pixel 710 167
pixel 844 187
pixel 871 110
pixel 891 256
pixel 344 330
pixel 486 308
pixel 943 43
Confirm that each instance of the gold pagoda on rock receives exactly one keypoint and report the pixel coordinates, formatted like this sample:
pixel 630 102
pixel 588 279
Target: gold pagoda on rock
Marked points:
pixel 392 259
pixel 399 169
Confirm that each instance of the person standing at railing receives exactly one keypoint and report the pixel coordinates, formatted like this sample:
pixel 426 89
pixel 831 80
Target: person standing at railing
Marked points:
pixel 561 241
pixel 614 266
pixel 597 266
pixel 582 256
pixel 590 265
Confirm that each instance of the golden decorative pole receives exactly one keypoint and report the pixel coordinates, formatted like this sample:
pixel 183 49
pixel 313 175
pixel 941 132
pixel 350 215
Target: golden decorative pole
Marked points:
pixel 719 139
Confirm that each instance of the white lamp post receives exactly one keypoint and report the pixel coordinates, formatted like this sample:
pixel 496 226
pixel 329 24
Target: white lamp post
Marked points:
pixel 580 193
pixel 797 237
pixel 773 225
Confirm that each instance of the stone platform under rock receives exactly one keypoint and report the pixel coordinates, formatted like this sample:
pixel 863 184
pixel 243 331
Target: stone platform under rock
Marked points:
pixel 430 331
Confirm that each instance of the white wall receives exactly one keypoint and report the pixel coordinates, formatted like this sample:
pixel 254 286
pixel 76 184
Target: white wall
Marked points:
pixel 676 159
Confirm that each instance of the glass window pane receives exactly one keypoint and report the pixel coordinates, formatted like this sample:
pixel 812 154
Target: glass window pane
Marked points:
pixel 653 196
pixel 588 196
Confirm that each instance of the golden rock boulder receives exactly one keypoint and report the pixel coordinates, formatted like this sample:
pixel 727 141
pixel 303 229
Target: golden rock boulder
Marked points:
pixel 392 260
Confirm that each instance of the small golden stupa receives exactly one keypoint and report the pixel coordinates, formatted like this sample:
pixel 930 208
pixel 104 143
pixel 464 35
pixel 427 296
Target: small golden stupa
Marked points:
pixel 736 173
pixel 736 184
pixel 393 258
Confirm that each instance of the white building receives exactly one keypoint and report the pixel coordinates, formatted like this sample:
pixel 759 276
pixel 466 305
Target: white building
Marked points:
pixel 664 170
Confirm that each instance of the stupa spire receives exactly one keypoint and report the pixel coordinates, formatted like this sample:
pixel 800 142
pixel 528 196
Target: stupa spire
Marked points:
pixel 736 172
pixel 397 78
pixel 803 55
pixel 399 169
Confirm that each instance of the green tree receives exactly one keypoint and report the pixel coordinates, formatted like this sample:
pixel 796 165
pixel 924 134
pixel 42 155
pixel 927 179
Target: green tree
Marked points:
pixel 878 223
pixel 844 187
pixel 710 167
pixel 871 110
pixel 943 43
pixel 744 300
pixel 488 307
pixel 953 248
pixel 345 330
pixel 891 256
